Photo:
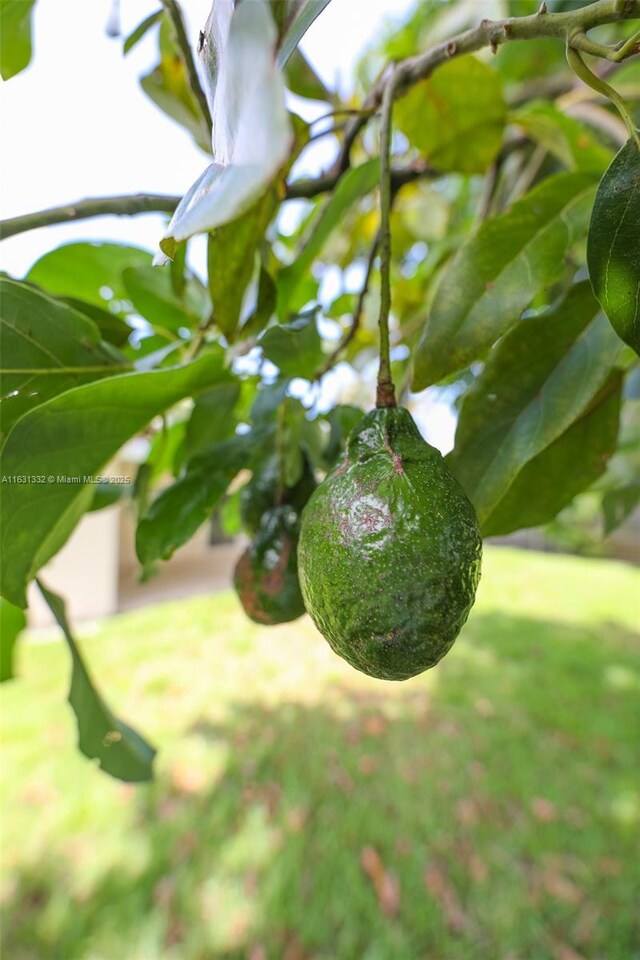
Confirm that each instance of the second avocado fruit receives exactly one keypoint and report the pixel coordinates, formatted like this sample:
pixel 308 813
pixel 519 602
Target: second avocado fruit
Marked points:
pixel 386 557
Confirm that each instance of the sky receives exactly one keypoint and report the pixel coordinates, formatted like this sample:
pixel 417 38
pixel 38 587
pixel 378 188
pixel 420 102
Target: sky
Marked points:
pixel 79 125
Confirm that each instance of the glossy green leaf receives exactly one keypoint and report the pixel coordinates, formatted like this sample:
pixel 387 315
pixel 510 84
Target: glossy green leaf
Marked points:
pixel 456 117
pixel 567 467
pixel 141 30
pixel 177 512
pixel 613 251
pixel 150 289
pixel 113 329
pixel 495 275
pixel 618 504
pixel 12 623
pixel 119 750
pixel 74 435
pixel 563 136
pixel 537 382
pixel 231 261
pixel 354 185
pixel 212 418
pixel 45 349
pixel 15 36
pixel 295 348
pixel 87 271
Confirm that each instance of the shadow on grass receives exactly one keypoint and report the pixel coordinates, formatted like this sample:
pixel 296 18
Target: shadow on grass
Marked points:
pixel 484 813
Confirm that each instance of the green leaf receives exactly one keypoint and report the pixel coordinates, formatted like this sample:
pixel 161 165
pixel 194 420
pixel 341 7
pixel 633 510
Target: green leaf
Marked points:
pixel 567 139
pixel 231 261
pixel 212 418
pixel 306 12
pixel 613 251
pixel 143 28
pixel 295 348
pixel 495 275
pixel 537 382
pixel 618 504
pixel 75 435
pixel 567 467
pixel 265 305
pixel 46 348
pixel 119 750
pixel 106 494
pixel 176 514
pixel 113 329
pixel 151 291
pixel 12 623
pixel 15 36
pixel 168 86
pixel 88 271
pixel 356 183
pixel 456 117
pixel 303 80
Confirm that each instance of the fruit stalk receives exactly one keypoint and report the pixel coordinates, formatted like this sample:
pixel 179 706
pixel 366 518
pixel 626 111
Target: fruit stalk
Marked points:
pixel 385 396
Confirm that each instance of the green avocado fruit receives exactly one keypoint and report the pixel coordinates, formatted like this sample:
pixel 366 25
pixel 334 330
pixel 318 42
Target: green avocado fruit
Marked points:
pixel 260 495
pixel 266 575
pixel 389 552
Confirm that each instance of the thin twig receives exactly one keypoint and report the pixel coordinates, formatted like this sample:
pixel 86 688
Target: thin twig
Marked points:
pixel 173 12
pixel 124 206
pixel 385 395
pixel 356 319
pixel 312 187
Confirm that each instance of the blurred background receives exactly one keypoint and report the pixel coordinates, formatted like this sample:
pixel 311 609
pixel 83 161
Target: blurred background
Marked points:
pixel 487 810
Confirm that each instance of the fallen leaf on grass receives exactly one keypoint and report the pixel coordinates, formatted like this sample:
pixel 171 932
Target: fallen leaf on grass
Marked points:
pixel 561 888
pixel 367 765
pixel 543 810
pixel 562 951
pixel 385 884
pixel 443 892
pixel 375 726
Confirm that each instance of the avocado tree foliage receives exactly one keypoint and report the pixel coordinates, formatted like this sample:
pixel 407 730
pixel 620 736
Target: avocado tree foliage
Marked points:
pixel 510 291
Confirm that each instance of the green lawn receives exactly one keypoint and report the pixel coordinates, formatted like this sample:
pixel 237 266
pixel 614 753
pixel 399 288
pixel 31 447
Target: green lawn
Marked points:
pixel 487 810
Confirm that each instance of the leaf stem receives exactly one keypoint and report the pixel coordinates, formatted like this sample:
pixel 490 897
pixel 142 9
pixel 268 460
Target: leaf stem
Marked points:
pixel 579 67
pixel 173 12
pixel 385 395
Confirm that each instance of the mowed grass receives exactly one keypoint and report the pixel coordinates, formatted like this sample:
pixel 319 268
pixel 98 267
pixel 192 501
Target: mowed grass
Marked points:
pixel 487 810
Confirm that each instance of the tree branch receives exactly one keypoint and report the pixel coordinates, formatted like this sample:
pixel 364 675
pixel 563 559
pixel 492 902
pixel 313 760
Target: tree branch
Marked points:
pixel 173 12
pixel 570 27
pixel 127 206
pixel 309 188
pixel 134 204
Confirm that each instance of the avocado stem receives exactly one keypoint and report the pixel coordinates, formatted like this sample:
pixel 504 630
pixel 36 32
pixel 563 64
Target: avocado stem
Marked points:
pixel 386 395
